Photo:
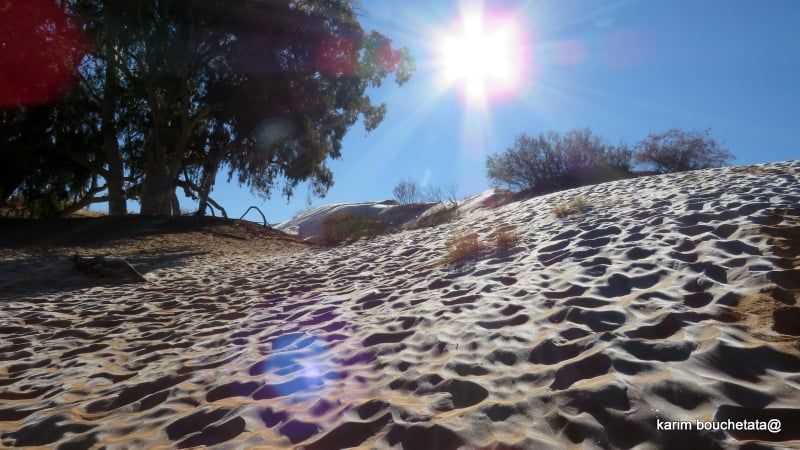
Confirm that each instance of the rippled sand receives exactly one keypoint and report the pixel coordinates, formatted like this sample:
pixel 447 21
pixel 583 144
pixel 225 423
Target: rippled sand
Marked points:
pixel 671 297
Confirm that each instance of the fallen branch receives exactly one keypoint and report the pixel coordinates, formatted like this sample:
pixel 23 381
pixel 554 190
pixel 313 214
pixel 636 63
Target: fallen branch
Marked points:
pixel 103 267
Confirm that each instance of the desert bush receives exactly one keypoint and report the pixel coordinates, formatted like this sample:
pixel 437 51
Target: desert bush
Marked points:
pixel 462 247
pixel 433 194
pixel 466 246
pixel 348 227
pixel 439 194
pixel 679 150
pixel 505 237
pixel 760 170
pixel 45 204
pixel 576 205
pixel 406 192
pixel 437 218
pixel 552 161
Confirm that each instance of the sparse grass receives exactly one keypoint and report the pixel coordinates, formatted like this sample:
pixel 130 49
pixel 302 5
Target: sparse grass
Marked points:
pixel 574 206
pixel 463 247
pixel 758 170
pixel 503 197
pixel 505 237
pixel 443 216
pixel 466 246
pixel 348 227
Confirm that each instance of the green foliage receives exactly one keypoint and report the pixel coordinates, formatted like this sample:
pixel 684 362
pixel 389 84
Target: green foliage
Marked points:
pixel 173 90
pixel 48 163
pixel 341 228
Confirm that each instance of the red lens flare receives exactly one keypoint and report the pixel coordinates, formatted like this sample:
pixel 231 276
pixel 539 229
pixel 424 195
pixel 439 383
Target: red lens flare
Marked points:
pixel 40 50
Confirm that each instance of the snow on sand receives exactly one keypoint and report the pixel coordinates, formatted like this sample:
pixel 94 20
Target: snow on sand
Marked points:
pixel 669 298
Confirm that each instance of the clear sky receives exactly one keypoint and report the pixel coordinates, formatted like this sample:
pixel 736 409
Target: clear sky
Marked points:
pixel 622 68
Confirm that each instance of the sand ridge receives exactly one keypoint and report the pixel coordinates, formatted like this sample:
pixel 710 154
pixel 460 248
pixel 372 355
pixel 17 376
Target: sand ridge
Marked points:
pixel 581 335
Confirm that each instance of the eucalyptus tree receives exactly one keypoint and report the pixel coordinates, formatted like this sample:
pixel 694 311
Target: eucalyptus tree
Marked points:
pixel 266 88
pixel 172 91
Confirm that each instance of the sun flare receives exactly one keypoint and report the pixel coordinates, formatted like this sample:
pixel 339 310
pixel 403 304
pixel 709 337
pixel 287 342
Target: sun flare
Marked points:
pixel 481 58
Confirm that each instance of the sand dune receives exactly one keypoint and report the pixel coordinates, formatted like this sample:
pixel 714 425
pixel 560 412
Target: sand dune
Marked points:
pixel 310 224
pixel 670 298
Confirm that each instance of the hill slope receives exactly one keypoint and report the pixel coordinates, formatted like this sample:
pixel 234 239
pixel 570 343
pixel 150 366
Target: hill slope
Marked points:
pixel 668 298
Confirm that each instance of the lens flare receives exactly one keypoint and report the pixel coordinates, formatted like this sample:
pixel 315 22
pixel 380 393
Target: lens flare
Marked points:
pixel 483 56
pixel 40 50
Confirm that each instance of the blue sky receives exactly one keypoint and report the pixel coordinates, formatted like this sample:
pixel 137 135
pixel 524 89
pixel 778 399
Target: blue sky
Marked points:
pixel 622 68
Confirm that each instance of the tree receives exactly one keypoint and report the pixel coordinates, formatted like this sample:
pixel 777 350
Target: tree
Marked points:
pixel 406 192
pixel 41 49
pixel 172 91
pixel 276 84
pixel 679 150
pixel 51 156
pixel 433 194
pixel 439 194
pixel 552 161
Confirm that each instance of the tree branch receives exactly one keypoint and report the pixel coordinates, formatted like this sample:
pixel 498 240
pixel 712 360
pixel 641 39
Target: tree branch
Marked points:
pixel 259 211
pixel 188 185
pixel 82 203
pixel 211 202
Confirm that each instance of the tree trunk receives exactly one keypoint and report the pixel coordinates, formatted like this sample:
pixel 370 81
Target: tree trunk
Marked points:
pixel 209 175
pixel 176 205
pixel 158 188
pixel 116 193
pixel 114 180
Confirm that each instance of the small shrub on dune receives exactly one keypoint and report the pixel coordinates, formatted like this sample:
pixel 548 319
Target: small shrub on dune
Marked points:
pixel 438 218
pixel 466 246
pixel 758 170
pixel 574 206
pixel 505 237
pixel 463 247
pixel 407 192
pixel 553 161
pixel 348 227
pixel 679 150
pixel 446 200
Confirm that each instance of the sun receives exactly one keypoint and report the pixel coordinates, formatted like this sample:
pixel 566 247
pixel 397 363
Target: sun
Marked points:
pixel 482 58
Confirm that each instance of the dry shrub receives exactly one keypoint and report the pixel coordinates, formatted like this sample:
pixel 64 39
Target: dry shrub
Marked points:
pixel 681 150
pixel 407 192
pixel 759 170
pixel 505 237
pixel 348 227
pixel 576 205
pixel 554 161
pixel 466 246
pixel 462 247
pixel 438 218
